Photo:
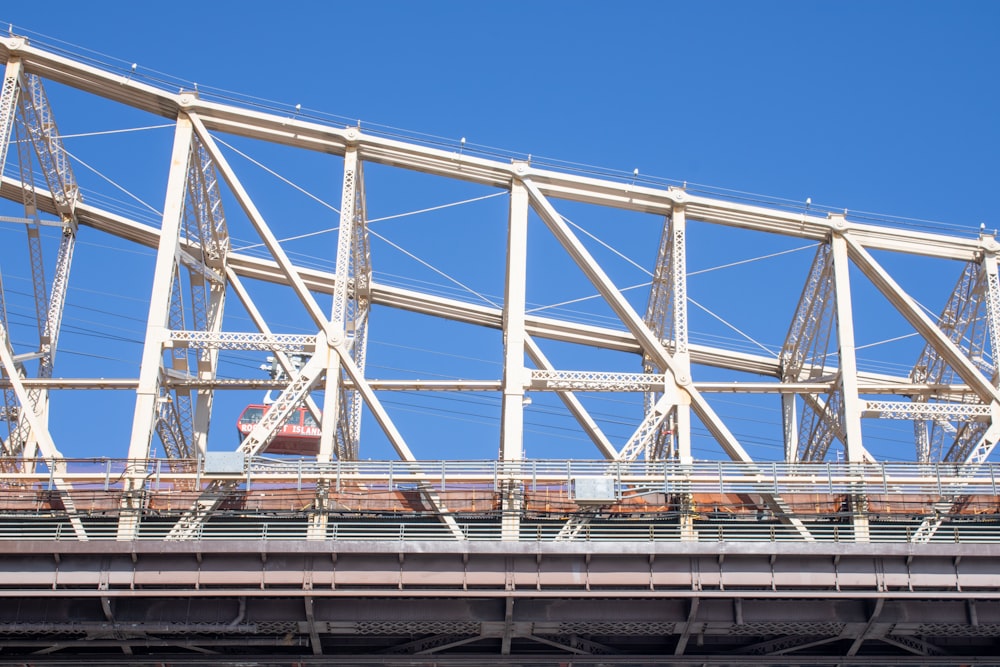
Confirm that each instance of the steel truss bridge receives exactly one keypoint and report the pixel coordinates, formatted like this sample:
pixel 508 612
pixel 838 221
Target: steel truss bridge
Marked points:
pixel 632 553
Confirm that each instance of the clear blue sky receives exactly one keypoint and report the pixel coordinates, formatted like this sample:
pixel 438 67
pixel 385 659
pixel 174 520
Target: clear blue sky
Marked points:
pixel 887 107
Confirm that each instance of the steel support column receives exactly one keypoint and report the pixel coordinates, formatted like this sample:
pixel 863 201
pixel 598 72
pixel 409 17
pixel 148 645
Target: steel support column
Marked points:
pixel 512 406
pixel 850 403
pixel 151 368
pixel 338 315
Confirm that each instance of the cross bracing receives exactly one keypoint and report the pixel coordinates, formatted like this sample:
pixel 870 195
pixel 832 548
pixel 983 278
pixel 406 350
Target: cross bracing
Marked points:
pixel 604 426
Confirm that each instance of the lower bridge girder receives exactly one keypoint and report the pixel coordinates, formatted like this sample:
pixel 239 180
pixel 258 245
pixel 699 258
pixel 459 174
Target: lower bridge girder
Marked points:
pixel 504 603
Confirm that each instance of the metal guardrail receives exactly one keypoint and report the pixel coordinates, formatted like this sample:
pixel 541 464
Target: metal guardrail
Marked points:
pixel 938 479
pixel 404 531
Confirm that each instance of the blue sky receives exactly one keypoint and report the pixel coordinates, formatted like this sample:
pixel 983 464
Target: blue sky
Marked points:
pixel 886 108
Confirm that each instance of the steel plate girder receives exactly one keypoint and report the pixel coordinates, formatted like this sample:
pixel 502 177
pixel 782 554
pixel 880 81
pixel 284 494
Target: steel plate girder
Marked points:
pixel 471 569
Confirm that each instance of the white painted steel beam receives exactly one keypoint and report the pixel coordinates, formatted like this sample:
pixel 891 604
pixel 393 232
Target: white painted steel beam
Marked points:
pixel 156 336
pixel 338 317
pixel 512 400
pixel 278 128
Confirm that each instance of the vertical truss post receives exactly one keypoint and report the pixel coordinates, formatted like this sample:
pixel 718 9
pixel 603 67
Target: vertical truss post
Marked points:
pixel 682 410
pixel 173 419
pixel 159 304
pixel 208 239
pixel 993 310
pixel 349 432
pixel 208 360
pixel 338 315
pixel 848 367
pixel 982 449
pixel 789 426
pixel 512 406
pixel 850 403
pixel 151 369
pixel 682 356
pixel 332 406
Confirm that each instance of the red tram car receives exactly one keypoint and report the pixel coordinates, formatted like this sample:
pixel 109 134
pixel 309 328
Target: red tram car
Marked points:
pixel 299 435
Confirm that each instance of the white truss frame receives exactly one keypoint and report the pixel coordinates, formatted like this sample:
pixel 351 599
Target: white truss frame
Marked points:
pixel 336 357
